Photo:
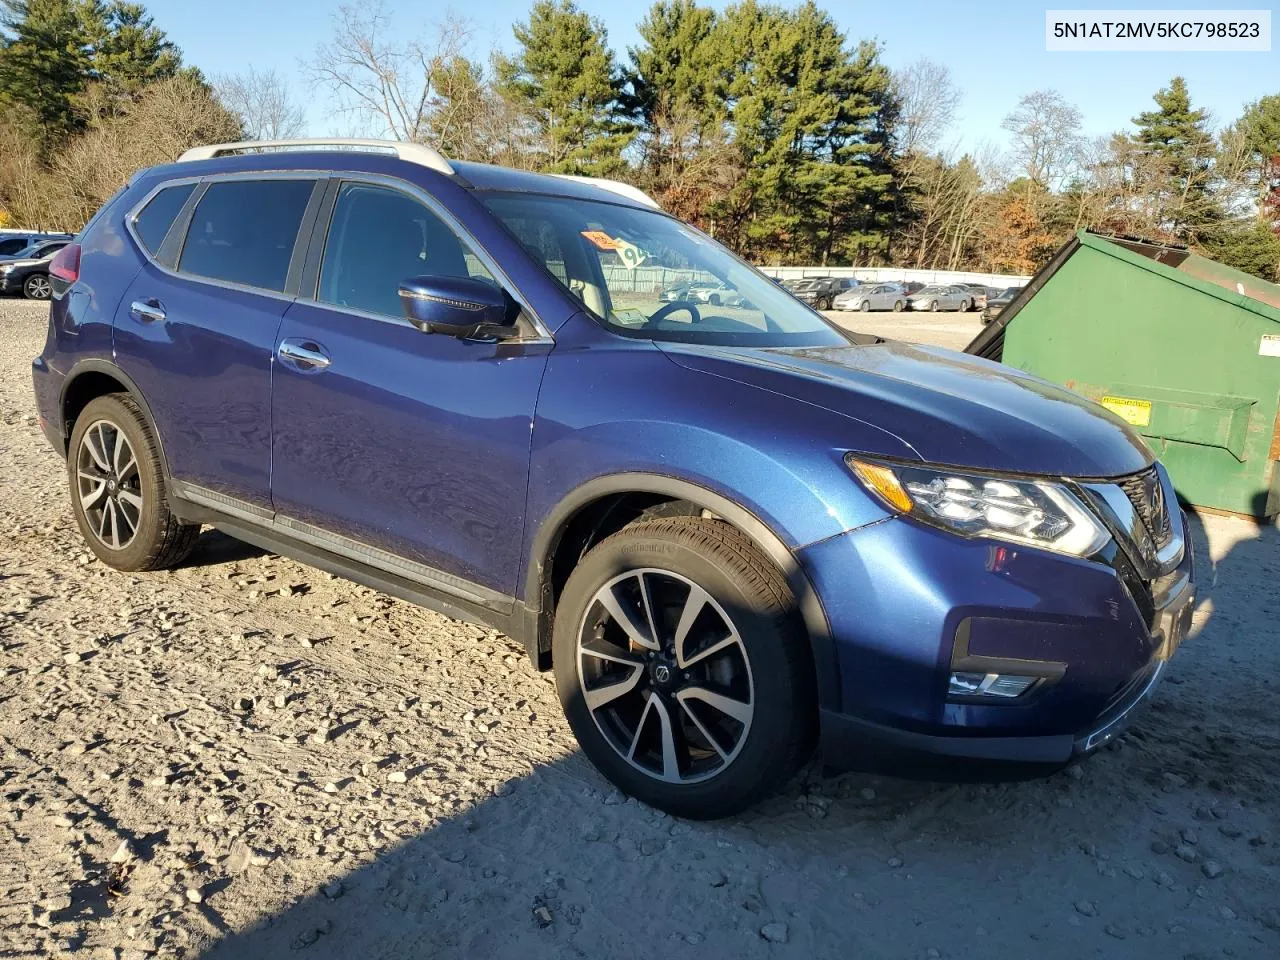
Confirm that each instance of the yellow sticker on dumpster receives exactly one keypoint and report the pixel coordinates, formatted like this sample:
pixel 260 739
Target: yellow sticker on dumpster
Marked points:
pixel 1134 412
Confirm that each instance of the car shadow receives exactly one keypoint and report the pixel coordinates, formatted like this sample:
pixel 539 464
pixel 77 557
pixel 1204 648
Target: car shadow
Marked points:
pixel 557 863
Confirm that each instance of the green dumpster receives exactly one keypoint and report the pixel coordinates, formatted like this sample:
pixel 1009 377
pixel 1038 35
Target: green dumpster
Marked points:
pixel 1183 348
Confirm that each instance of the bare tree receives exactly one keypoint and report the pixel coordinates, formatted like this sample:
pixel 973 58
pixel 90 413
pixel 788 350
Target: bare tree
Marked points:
pixel 392 85
pixel 1046 138
pixel 263 103
pixel 929 100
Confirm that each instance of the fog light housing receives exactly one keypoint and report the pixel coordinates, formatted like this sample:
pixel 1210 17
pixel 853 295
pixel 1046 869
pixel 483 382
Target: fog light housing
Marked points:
pixel 999 686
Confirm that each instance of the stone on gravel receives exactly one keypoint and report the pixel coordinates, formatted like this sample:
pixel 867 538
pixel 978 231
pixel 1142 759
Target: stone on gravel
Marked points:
pixel 1086 908
pixel 333 890
pixel 1186 853
pixel 194 895
pixel 775 932
pixel 1211 869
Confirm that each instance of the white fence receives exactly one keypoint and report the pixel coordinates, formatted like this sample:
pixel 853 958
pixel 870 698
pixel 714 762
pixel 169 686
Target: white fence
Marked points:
pixel 642 280
pixel 885 274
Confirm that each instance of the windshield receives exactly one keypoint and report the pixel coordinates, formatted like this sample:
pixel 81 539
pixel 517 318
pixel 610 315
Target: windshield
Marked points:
pixel 618 261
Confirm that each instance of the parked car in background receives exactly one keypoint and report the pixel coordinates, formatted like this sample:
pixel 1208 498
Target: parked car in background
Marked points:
pixel 872 296
pixel 941 297
pixel 821 292
pixel 24 246
pixel 995 305
pixel 712 292
pixel 732 538
pixel 912 286
pixel 30 275
pixel 980 292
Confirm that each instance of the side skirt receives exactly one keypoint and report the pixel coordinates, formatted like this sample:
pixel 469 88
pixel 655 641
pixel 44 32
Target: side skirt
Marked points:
pixel 518 623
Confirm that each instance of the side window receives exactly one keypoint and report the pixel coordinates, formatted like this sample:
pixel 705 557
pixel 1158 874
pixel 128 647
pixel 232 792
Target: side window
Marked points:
pixel 153 220
pixel 378 238
pixel 243 231
pixel 9 247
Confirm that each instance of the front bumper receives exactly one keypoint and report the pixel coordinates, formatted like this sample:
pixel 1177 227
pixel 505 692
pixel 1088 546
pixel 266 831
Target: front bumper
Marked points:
pixel 905 600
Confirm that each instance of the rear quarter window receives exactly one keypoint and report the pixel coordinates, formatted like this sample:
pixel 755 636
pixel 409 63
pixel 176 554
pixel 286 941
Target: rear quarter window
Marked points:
pixel 243 232
pixel 154 220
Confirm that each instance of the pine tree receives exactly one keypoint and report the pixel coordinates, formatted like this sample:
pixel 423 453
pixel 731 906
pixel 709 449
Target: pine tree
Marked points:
pixel 1180 138
pixel 673 69
pixel 43 65
pixel 811 120
pixel 566 79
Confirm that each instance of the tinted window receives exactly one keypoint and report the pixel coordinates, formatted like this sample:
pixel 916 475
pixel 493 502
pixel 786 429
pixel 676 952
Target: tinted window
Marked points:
pixel 379 238
pixel 243 231
pixel 154 220
pixel 8 247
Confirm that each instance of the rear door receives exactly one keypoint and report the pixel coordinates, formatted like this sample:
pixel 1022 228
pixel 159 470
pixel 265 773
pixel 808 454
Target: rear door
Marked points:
pixel 197 328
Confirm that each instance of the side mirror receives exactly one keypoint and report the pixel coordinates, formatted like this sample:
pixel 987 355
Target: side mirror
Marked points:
pixel 457 307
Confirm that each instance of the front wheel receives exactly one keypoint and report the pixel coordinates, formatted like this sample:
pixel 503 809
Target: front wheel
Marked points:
pixel 933 306
pixel 682 668
pixel 117 488
pixel 37 287
pixel 866 306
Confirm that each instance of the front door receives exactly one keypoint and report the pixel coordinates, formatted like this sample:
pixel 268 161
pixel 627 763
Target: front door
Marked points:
pixel 405 450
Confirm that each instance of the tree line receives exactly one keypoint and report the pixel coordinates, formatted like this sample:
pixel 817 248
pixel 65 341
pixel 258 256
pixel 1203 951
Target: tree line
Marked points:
pixel 767 126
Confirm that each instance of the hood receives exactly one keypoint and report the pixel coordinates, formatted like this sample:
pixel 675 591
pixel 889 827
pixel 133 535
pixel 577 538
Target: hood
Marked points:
pixel 951 408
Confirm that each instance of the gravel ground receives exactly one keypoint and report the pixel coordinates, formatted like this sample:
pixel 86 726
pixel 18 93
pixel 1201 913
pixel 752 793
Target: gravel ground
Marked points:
pixel 246 756
pixel 945 329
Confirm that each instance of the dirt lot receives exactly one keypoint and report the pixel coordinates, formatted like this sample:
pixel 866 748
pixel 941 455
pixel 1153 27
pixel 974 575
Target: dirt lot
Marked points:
pixel 946 329
pixel 245 757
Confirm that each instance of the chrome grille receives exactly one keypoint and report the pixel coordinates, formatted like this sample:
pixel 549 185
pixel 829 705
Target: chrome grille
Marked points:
pixel 1146 493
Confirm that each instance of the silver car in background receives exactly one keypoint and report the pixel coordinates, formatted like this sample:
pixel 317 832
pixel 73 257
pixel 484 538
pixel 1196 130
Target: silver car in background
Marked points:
pixel 873 296
pixel 941 297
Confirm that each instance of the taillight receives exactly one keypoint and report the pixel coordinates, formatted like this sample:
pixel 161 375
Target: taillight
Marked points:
pixel 65 264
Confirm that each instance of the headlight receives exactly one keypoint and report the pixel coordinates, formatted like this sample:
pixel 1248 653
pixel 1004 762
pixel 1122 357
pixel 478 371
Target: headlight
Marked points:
pixel 1035 512
pixel 5 267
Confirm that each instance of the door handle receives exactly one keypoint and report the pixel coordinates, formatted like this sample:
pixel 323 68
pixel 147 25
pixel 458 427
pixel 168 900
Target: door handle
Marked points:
pixel 306 356
pixel 147 311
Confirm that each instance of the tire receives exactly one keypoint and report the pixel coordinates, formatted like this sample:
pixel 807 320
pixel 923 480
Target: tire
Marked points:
pixel 866 306
pixel 830 303
pixel 714 299
pixel 761 662
pixel 964 307
pixel 933 306
pixel 36 287
pixel 122 509
pixel 898 306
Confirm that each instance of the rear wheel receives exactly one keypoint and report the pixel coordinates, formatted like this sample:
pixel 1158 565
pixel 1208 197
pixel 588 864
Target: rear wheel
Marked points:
pixel 117 488
pixel 714 299
pixel 682 669
pixel 37 287
pixel 898 306
pixel 964 306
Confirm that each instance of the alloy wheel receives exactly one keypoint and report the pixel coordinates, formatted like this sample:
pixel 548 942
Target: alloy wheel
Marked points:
pixel 38 288
pixel 665 675
pixel 109 484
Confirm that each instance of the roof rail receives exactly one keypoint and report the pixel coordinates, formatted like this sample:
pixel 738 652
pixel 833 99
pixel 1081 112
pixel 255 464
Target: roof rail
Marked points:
pixel 411 152
pixel 614 186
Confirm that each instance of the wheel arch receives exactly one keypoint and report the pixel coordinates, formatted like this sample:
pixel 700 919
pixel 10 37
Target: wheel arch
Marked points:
pixel 595 495
pixel 92 378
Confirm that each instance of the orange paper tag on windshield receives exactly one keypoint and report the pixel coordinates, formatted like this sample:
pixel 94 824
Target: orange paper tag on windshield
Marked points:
pixel 601 239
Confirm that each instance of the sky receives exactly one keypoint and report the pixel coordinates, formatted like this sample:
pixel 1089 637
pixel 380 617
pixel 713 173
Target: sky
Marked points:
pixel 995 51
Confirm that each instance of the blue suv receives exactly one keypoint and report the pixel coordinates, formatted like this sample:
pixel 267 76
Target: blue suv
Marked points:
pixel 733 531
